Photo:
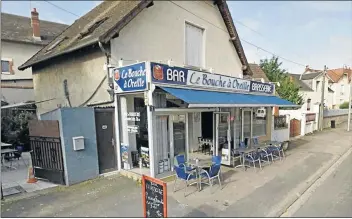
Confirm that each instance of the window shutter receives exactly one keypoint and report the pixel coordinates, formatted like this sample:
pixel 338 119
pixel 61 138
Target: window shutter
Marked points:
pixel 194 46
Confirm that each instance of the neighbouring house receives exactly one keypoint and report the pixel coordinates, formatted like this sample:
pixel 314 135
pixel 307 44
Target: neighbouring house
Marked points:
pixel 122 71
pixel 257 73
pixel 340 81
pixel 310 85
pixel 21 38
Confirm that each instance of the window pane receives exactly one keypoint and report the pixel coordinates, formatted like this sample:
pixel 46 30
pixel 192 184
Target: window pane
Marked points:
pixel 259 123
pixel 5 66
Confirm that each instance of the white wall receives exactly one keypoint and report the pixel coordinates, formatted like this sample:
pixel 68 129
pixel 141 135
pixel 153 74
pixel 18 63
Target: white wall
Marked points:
pixel 158 33
pixel 282 134
pixel 340 95
pixel 19 53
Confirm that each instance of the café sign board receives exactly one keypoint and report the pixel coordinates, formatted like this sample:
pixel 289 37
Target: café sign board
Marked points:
pixel 165 74
pixel 130 78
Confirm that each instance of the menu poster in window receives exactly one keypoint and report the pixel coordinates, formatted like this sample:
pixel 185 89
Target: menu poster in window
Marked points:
pixel 154 194
pixel 134 116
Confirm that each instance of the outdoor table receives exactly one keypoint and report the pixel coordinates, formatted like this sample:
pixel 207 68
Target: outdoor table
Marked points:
pixel 4 152
pixel 198 167
pixel 243 152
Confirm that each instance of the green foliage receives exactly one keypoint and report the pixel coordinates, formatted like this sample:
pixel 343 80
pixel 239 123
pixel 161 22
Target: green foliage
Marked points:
pixel 14 126
pixel 288 90
pixel 344 105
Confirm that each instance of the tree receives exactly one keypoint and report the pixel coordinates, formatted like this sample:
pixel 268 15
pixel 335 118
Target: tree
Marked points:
pixel 288 89
pixel 344 105
pixel 14 127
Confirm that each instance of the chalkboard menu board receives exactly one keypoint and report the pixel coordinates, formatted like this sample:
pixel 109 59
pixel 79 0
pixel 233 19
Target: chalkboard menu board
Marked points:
pixel 154 197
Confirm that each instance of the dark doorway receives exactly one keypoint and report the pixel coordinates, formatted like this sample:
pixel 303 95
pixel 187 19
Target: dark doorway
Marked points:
pixel 105 140
pixel 207 125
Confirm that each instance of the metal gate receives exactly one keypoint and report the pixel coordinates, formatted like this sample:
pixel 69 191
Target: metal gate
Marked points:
pixel 47 160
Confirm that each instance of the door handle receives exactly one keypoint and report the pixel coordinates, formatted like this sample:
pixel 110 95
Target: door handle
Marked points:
pixel 112 142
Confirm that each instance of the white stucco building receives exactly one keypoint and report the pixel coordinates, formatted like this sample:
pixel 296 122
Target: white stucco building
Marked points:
pixel 125 58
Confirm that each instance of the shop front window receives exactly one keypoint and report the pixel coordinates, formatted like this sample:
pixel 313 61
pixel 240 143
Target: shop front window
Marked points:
pixel 259 122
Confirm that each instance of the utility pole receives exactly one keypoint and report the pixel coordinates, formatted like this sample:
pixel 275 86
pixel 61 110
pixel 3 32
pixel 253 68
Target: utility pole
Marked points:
pixel 349 106
pixel 321 111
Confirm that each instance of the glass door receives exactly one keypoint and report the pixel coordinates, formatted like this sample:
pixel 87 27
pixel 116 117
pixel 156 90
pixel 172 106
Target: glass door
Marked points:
pixel 177 136
pixel 247 126
pixel 222 136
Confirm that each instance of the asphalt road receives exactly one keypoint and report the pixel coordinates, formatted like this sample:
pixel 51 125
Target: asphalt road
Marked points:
pixel 334 197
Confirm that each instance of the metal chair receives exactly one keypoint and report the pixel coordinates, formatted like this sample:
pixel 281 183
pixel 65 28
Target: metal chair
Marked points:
pixel 277 149
pixel 253 158
pixel 184 176
pixel 181 162
pixel 264 153
pixel 213 173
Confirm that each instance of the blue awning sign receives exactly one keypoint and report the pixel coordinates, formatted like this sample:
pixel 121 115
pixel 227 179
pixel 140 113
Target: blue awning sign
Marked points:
pixel 202 98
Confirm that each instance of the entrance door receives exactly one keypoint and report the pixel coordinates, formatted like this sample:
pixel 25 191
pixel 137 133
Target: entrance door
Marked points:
pixel 105 140
pixel 222 133
pixel 179 134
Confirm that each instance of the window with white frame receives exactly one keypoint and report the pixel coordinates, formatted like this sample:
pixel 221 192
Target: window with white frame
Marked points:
pixel 342 89
pixel 6 66
pixel 194 45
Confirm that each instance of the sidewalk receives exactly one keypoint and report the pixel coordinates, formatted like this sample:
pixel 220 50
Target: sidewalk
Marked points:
pixel 14 181
pixel 245 194
pixel 268 192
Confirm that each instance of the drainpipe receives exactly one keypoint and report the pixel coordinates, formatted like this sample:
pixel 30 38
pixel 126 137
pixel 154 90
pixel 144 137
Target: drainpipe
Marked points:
pixel 110 82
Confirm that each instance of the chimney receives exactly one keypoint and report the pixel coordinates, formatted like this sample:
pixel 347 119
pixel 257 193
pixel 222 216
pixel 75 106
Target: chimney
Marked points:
pixel 35 24
pixel 307 68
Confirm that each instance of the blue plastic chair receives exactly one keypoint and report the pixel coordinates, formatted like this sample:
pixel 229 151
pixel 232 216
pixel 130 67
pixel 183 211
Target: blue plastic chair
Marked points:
pixel 216 159
pixel 237 154
pixel 181 162
pixel 277 149
pixel 242 145
pixel 214 173
pixel 184 176
pixel 253 158
pixel 255 141
pixel 265 154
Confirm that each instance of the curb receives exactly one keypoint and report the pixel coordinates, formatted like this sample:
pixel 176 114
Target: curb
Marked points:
pixel 313 182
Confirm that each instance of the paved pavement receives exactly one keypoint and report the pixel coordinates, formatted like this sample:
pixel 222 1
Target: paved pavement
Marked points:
pixel 17 178
pixel 334 197
pixel 265 193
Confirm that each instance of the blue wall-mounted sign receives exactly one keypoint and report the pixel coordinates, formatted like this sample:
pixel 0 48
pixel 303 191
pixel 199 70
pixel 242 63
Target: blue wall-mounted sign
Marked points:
pixel 259 87
pixel 130 78
pixel 166 74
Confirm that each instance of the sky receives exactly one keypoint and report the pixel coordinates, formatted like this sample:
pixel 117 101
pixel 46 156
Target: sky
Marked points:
pixel 314 33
